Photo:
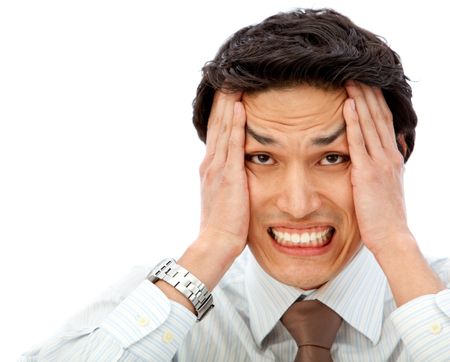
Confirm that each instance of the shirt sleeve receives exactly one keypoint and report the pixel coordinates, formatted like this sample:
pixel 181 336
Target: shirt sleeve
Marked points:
pixel 144 326
pixel 424 326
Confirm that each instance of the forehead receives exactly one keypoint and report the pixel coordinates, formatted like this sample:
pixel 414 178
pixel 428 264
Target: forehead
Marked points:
pixel 298 108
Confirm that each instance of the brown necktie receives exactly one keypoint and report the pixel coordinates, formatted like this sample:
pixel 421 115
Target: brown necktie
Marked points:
pixel 313 326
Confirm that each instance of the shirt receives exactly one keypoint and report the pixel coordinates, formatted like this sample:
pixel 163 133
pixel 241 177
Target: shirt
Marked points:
pixel 135 321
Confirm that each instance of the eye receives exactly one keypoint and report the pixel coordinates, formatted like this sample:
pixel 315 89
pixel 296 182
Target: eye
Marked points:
pixel 334 159
pixel 260 159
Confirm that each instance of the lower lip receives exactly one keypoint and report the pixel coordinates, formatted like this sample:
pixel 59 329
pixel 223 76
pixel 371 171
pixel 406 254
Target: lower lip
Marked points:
pixel 302 251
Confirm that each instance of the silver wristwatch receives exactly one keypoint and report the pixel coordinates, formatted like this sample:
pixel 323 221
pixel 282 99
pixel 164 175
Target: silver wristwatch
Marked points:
pixel 185 282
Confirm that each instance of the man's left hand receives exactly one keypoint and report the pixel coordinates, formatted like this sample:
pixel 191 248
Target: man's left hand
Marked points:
pixel 377 167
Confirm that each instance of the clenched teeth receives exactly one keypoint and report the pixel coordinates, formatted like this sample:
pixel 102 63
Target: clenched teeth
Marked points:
pixel 304 239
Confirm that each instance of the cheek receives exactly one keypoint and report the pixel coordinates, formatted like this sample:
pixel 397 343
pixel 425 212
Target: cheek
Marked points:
pixel 337 188
pixel 256 191
pixel 262 194
pixel 345 194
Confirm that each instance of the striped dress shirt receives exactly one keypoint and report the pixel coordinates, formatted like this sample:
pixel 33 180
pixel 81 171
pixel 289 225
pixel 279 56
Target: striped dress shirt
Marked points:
pixel 134 321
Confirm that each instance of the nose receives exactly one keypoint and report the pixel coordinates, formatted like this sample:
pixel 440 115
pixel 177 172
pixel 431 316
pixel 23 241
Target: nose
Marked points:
pixel 298 195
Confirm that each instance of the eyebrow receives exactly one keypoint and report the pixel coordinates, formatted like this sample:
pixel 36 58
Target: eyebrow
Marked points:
pixel 326 140
pixel 318 141
pixel 264 140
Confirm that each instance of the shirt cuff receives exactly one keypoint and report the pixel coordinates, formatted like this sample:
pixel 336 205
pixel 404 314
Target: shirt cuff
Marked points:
pixel 143 312
pixel 424 326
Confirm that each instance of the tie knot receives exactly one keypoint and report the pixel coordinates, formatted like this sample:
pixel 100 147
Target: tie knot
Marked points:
pixel 312 323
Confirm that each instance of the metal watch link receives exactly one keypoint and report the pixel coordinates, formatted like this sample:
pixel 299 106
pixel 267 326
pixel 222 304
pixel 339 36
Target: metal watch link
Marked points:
pixel 185 282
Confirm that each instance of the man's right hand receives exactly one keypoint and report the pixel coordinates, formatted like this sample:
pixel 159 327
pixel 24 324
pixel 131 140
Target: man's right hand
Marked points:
pixel 225 198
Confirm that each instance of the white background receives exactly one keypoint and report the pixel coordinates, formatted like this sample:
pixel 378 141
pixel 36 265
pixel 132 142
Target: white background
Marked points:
pixel 98 157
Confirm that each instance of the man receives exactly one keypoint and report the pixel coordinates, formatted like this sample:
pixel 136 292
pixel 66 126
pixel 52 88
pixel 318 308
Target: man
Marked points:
pixel 308 121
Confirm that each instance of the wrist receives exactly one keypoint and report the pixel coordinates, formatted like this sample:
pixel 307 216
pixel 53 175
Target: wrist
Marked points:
pixel 184 282
pixel 396 244
pixel 209 257
pixel 408 273
pixel 175 295
pixel 227 245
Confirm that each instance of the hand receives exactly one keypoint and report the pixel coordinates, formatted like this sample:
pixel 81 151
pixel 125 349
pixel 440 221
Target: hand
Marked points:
pixel 377 167
pixel 377 180
pixel 225 197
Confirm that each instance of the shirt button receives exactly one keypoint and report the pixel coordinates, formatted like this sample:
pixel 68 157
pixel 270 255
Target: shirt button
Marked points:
pixel 435 328
pixel 143 320
pixel 167 336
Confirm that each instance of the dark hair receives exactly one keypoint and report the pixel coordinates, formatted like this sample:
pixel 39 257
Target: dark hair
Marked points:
pixel 315 47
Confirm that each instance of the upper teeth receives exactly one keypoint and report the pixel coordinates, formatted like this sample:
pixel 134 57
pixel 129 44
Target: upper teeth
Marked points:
pixel 314 238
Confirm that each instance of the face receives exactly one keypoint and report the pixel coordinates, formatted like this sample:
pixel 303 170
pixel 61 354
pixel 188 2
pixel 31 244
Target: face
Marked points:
pixel 303 226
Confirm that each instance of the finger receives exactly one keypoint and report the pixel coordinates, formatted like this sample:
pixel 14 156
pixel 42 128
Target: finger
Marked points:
pixel 214 122
pixel 223 138
pixel 219 108
pixel 388 136
pixel 355 137
pixel 378 114
pixel 368 129
pixel 237 138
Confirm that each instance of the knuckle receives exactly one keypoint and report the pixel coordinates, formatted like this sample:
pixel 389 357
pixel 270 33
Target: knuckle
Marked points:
pixel 397 159
pixel 359 99
pixel 386 168
pixel 226 127
pixel 226 181
pixel 208 173
pixel 387 114
pixel 213 121
pixel 205 163
pixel 357 143
pixel 202 169
pixel 208 176
pixel 233 142
pixel 377 114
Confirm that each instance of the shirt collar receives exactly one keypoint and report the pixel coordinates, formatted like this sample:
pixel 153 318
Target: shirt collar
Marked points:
pixel 361 280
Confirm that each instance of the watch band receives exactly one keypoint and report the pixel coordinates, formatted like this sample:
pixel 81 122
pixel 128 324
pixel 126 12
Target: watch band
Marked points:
pixel 185 282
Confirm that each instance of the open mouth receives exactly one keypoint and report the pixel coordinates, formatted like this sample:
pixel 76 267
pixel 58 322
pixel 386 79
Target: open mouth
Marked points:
pixel 314 238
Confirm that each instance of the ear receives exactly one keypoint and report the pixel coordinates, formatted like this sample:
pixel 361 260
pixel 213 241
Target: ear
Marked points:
pixel 401 144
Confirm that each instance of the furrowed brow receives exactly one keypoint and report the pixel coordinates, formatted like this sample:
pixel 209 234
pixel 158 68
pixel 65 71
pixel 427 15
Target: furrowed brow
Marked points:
pixel 264 140
pixel 326 140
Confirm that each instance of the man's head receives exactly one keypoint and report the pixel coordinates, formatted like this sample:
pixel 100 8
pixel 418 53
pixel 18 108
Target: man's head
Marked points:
pixel 316 47
pixel 292 69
